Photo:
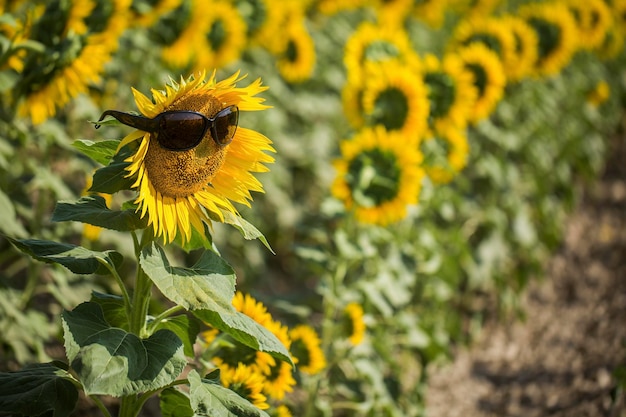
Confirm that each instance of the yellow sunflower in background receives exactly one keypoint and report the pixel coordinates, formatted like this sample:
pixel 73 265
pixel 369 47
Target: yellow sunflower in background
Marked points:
pixel 377 43
pixel 600 93
pixel 279 378
pixel 613 43
pixel 180 191
pixel 488 76
pixel 474 8
pixel 593 20
pixel 393 12
pixel 72 63
pixel 296 58
pixel 450 91
pixel 108 20
pixel 556 31
pixel 354 323
pixel 521 64
pixel 331 7
pixel 281 411
pixel 493 32
pixel 431 12
pixel 618 9
pixel 146 13
pixel 378 175
pixel 394 96
pixel 17 32
pixel 306 349
pixel 445 154
pixel 224 36
pixel 185 32
pixel 247 383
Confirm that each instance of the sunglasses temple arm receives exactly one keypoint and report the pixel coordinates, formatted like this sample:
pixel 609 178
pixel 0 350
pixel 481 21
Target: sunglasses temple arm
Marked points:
pixel 138 122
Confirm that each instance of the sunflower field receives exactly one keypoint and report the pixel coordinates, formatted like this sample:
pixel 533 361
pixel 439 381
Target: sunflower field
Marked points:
pixel 276 208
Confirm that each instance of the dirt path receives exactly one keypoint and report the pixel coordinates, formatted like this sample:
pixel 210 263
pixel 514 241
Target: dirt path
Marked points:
pixel 560 361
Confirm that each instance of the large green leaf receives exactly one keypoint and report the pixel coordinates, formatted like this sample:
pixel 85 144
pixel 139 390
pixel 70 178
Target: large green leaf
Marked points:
pixel 174 403
pixel 75 258
pixel 111 178
pixel 93 210
pixel 111 361
pixel 207 289
pixel 209 284
pixel 212 400
pixel 101 151
pixel 38 389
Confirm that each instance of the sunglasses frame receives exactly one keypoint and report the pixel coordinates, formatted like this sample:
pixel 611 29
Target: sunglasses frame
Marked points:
pixel 154 125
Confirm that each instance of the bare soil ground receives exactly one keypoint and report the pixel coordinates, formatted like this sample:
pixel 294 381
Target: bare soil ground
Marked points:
pixel 561 360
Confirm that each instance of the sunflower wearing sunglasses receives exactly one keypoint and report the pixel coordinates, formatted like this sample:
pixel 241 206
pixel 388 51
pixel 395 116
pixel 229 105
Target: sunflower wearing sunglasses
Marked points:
pixel 193 160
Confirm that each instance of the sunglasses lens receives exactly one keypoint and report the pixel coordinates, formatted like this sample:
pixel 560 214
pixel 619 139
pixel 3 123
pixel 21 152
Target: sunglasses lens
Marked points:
pixel 181 130
pixel 225 125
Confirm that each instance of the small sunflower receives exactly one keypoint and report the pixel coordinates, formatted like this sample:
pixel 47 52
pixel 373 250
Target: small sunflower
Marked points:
pixel 180 191
pixel 593 20
pixel 225 36
pixel 281 411
pixel 521 64
pixel 305 347
pixel 445 154
pixel 450 91
pixel 147 12
pixel 179 32
pixel 296 58
pixel 489 78
pixel 378 175
pixel 354 323
pixel 599 94
pixel 556 31
pixel 431 12
pixel 395 97
pixel 493 32
pixel 377 43
pixel 247 383
pixel 393 12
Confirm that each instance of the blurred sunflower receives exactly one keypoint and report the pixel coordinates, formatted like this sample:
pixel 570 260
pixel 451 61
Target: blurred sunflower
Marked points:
pixel 393 12
pixel 147 12
pixel 281 411
pixel 474 8
pixel 431 12
pixel 354 323
pixel 17 31
pixel 556 31
pixel 600 93
pixel 450 91
pixel 108 20
pixel 225 36
pixel 488 76
pixel 247 383
pixel 445 154
pixel 179 32
pixel 331 7
pixel 379 175
pixel 180 191
pixel 493 32
pixel 279 378
pixel 395 97
pixel 613 43
pixel 352 101
pixel 70 65
pixel 376 43
pixel 618 9
pixel 227 354
pixel 296 58
pixel 521 64
pixel 305 347
pixel 593 20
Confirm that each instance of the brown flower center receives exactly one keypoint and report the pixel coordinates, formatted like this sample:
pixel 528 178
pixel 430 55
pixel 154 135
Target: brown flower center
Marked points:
pixel 183 173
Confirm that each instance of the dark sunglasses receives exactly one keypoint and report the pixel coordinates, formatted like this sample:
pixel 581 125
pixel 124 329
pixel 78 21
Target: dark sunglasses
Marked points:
pixel 180 130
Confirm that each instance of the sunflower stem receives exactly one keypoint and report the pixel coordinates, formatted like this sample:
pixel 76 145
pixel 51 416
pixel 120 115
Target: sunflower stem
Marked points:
pixel 164 315
pixel 141 295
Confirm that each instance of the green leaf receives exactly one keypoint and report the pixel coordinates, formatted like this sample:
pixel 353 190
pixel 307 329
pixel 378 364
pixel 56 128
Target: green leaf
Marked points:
pixel 247 230
pixel 93 210
pixel 207 289
pixel 38 389
pixel 8 80
pixel 212 400
pixel 113 309
pixel 101 152
pixel 111 178
pixel 75 258
pixel 209 284
pixel 174 403
pixel 111 361
pixel 186 328
pixel 10 224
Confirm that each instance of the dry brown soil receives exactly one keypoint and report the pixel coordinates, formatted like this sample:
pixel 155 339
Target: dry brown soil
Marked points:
pixel 561 360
